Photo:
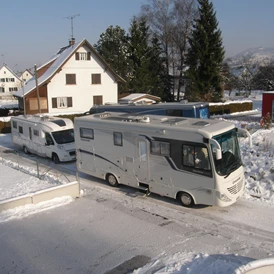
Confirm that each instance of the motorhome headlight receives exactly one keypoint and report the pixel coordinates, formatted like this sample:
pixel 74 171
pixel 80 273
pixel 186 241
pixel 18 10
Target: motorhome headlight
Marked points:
pixel 223 197
pixel 60 147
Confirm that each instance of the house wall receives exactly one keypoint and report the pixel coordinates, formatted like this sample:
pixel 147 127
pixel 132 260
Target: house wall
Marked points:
pixel 26 75
pixel 83 91
pixel 6 86
pixel 32 104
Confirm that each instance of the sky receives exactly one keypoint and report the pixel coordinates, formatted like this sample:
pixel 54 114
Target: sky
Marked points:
pixel 35 29
pixel 261 190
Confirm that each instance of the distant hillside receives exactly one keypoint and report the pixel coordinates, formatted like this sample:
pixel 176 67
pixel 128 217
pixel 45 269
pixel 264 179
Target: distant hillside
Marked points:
pixel 256 57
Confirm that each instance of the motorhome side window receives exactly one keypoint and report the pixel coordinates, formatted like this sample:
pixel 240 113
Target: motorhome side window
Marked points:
pixel 20 129
pixel 160 148
pixel 36 132
pixel 118 138
pixel 86 133
pixel 14 124
pixel 48 138
pixel 196 157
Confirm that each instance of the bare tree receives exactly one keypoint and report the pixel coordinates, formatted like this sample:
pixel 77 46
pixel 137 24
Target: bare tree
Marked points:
pixel 246 68
pixel 184 13
pixel 158 14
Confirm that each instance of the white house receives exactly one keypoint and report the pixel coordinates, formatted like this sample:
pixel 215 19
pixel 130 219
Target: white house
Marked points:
pixel 26 75
pixel 140 98
pixel 76 78
pixel 9 81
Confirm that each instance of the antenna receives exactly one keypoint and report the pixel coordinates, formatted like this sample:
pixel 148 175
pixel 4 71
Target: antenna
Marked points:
pixel 71 20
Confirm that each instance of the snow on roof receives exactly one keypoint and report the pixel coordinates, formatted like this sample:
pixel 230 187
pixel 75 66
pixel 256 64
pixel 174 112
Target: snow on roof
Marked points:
pixel 135 96
pixel 59 60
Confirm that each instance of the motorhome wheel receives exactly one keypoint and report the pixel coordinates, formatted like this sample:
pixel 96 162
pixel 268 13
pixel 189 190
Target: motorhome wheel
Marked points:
pixel 111 179
pixel 55 159
pixel 186 199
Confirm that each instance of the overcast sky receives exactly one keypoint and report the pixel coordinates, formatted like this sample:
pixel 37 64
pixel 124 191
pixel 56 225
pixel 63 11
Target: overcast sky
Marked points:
pixel 33 30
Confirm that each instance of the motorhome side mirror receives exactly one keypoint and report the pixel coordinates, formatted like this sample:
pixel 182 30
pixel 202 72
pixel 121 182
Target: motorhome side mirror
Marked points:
pixel 218 154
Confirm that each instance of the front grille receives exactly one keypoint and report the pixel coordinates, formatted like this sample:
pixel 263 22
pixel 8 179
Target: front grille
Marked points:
pixel 236 188
pixel 72 153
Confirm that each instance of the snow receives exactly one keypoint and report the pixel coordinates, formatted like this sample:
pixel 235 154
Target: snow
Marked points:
pixel 259 174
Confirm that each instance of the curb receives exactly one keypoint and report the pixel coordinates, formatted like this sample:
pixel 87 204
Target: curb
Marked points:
pixel 71 189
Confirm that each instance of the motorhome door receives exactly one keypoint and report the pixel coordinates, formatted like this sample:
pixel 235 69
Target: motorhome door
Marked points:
pixel 142 160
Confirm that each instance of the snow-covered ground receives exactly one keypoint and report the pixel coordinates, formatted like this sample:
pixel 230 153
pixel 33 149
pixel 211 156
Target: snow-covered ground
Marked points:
pixel 259 173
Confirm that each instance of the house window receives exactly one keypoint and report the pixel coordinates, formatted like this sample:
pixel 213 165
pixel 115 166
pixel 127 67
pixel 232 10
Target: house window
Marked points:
pixel 87 133
pixel 97 100
pixel 9 79
pixel 71 79
pixel 82 56
pixel 2 79
pixel 20 129
pixel 14 124
pixel 160 148
pixel 61 102
pixel 118 138
pixel 13 89
pixel 96 79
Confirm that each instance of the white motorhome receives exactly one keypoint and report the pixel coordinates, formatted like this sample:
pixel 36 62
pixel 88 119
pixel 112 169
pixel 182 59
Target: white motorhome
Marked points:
pixel 195 160
pixel 45 136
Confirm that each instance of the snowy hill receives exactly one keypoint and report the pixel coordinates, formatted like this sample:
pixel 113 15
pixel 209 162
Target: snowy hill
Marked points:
pixel 253 58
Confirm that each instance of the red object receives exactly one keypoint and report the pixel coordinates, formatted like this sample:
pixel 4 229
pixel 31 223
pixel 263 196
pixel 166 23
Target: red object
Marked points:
pixel 268 101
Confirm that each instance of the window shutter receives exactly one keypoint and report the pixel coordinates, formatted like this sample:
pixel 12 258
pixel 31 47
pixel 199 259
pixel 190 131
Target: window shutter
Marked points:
pixel 88 56
pixel 76 55
pixel 69 101
pixel 54 102
pixel 70 79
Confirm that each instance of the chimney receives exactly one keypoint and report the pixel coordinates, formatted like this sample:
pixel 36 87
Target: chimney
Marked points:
pixel 72 41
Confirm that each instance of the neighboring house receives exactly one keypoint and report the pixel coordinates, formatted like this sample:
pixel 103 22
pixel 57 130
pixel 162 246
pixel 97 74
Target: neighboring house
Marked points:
pixel 74 80
pixel 9 81
pixel 26 75
pixel 139 98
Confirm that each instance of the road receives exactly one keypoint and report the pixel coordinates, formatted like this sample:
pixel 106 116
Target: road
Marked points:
pixel 115 230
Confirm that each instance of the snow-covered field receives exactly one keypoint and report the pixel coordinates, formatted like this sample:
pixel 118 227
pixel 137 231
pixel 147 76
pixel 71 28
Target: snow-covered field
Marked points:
pixel 259 173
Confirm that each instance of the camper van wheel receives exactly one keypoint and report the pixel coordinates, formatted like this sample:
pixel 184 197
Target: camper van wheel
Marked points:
pixel 186 199
pixel 111 179
pixel 55 158
pixel 25 149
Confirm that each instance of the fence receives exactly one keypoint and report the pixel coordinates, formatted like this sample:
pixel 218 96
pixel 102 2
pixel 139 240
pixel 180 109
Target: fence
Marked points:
pixel 36 166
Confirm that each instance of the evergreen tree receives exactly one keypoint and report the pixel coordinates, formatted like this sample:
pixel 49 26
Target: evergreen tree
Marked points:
pixel 139 54
pixel 205 57
pixel 146 63
pixel 113 47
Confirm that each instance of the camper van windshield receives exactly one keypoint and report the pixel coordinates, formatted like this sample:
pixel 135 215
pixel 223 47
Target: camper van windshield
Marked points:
pixel 231 157
pixel 64 136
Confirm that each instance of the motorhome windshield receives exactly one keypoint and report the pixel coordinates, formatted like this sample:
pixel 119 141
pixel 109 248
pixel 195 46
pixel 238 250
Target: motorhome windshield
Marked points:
pixel 64 136
pixel 231 156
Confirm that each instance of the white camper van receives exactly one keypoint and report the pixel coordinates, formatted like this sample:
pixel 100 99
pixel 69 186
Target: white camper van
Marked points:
pixel 45 136
pixel 195 160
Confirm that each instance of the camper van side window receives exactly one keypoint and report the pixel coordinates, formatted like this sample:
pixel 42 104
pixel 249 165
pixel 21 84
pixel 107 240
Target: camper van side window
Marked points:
pixel 160 148
pixel 36 132
pixel 20 129
pixel 14 124
pixel 118 138
pixel 86 133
